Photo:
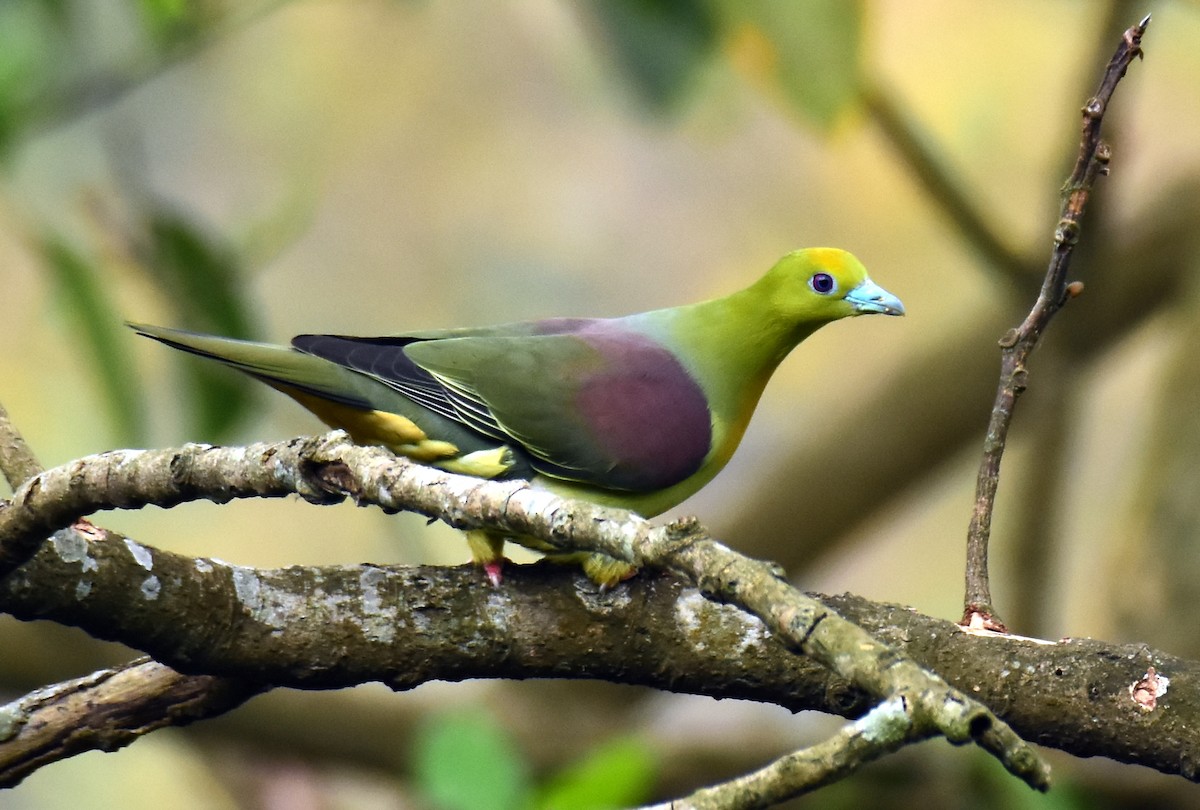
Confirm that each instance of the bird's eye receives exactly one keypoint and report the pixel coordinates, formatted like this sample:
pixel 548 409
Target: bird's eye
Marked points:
pixel 822 283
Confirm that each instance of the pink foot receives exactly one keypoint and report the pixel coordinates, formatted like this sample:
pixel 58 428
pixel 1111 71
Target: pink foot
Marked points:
pixel 494 572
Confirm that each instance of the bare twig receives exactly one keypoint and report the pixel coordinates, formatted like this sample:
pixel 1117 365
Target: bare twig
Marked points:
pixel 1017 345
pixel 17 465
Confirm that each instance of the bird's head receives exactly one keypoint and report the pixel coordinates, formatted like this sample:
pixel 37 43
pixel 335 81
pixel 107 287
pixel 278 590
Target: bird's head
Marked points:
pixel 818 285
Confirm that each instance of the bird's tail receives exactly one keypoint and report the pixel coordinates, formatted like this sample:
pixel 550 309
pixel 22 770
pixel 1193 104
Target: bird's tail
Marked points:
pixel 281 367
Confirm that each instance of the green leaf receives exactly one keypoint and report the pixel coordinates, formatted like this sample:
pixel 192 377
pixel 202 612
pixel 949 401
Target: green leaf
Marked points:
pixel 660 44
pixel 202 278
pixel 812 49
pixel 103 336
pixel 205 271
pixel 464 761
pixel 620 773
pixel 171 21
pixel 29 46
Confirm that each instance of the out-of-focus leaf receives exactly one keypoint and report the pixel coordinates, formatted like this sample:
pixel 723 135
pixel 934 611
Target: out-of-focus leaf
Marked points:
pixel 810 48
pixel 205 272
pixel 202 279
pixel 217 399
pixel 465 762
pixel 102 335
pixel 28 40
pixel 989 785
pixel 171 21
pixel 58 12
pixel 660 44
pixel 619 773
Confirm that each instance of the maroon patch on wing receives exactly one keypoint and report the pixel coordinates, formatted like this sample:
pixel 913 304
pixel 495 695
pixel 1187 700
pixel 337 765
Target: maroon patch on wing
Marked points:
pixel 645 413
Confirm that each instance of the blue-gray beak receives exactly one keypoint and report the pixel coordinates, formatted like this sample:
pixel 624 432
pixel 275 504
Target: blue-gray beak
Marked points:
pixel 868 297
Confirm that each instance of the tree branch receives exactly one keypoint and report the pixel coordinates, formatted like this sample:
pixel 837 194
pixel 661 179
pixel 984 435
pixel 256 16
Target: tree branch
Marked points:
pixel 108 709
pixel 1019 343
pixel 334 627
pixel 881 731
pixel 326 469
pixel 17 462
pixel 105 711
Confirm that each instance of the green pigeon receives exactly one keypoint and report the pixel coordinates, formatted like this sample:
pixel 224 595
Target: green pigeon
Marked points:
pixel 637 412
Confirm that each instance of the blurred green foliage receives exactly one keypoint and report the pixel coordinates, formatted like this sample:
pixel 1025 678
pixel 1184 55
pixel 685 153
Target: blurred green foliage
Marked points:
pixel 808 49
pixel 88 305
pixel 51 72
pixel 202 278
pixel 171 21
pixel 660 44
pixel 32 37
pixel 465 761
pixel 616 773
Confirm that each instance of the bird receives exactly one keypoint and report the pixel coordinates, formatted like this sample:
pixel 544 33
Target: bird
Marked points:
pixel 637 412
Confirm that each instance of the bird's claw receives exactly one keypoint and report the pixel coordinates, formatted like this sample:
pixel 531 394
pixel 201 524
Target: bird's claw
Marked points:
pixel 494 571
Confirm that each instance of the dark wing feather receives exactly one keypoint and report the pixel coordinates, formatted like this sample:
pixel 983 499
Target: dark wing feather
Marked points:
pixel 384 359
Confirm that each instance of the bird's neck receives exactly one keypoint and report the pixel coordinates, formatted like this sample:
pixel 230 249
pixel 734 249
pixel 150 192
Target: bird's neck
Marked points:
pixel 732 345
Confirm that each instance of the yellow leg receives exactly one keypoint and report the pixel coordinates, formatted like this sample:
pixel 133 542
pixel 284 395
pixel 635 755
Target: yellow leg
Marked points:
pixel 487 551
pixel 607 572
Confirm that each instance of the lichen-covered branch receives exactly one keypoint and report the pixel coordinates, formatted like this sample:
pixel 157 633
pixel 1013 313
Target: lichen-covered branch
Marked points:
pixel 330 468
pixel 338 626
pixel 1019 343
pixel 105 711
pixel 108 709
pixel 321 628
pixel 883 730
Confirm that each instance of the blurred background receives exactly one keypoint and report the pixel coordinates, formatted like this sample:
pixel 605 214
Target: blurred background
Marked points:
pixel 268 168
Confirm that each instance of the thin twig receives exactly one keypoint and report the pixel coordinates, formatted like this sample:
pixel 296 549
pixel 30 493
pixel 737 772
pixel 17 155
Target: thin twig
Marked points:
pixel 17 465
pixel 1017 345
pixel 854 745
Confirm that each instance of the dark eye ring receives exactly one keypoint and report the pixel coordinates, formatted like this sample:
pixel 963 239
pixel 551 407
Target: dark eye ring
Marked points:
pixel 822 283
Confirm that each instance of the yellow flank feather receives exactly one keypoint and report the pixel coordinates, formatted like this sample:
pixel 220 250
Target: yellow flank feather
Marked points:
pixel 395 432
pixel 429 451
pixel 481 463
